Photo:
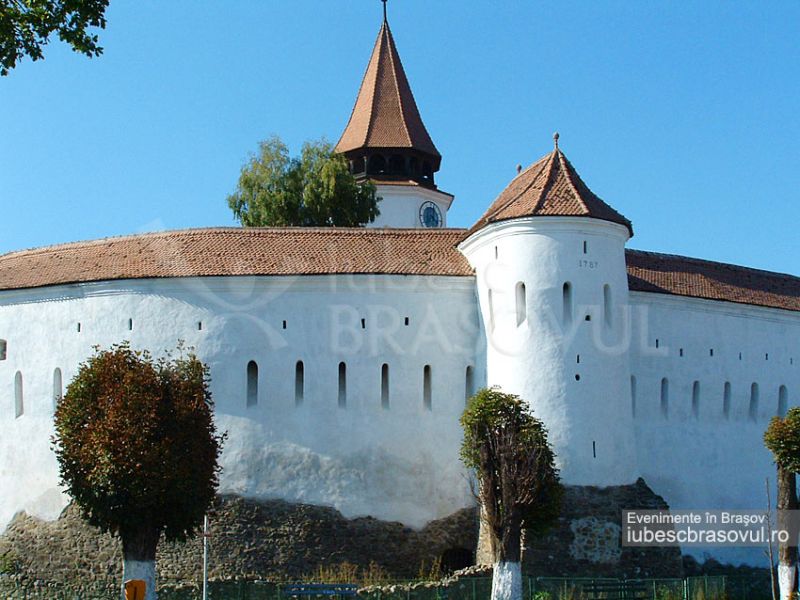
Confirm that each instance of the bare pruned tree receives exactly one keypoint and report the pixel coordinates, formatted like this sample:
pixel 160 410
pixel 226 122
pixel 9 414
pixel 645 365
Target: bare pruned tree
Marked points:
pixel 518 484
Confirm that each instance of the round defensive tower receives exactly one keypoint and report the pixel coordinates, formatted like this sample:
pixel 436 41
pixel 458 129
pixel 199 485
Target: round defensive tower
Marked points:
pixel 549 257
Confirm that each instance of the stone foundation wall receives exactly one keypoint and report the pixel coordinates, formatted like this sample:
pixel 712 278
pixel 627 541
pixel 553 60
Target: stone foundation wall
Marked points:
pixel 248 540
pixel 586 540
pixel 279 540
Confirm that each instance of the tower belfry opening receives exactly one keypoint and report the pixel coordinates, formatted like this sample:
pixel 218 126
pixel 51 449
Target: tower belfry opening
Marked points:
pixel 385 137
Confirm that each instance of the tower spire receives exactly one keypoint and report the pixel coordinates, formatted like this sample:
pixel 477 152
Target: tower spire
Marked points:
pixel 385 137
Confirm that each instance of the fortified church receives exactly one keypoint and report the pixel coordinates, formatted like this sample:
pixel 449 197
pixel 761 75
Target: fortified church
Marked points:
pixel 341 359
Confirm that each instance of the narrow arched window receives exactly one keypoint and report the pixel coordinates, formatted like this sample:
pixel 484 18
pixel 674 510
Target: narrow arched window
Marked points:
pixel 3 349
pixel 522 304
pixel 491 310
pixel 469 384
pixel 385 386
pixel 18 405
pixel 665 398
pixel 696 399
pixel 342 385
pixel 753 410
pixel 58 387
pixel 130 324
pixel 607 307
pixel 783 401
pixel 726 400
pixel 299 383
pixel 633 396
pixel 566 301
pixel 426 387
pixel 252 383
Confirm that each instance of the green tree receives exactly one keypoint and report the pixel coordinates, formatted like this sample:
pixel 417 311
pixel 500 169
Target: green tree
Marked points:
pixel 518 484
pixel 138 450
pixel 782 438
pixel 314 189
pixel 26 26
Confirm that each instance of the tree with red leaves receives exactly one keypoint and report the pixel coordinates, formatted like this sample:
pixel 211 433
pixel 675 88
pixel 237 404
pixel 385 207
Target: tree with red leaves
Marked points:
pixel 138 450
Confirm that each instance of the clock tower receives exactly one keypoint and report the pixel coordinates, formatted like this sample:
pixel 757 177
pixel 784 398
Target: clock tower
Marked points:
pixel 385 141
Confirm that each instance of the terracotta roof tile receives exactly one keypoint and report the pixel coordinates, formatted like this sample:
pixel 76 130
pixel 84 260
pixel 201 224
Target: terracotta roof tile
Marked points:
pixel 682 276
pixel 239 251
pixel 323 251
pixel 549 187
pixel 385 114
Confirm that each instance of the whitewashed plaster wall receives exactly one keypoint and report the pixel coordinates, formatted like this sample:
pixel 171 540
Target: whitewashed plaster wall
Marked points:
pixel 402 463
pixel 696 456
pixel 573 372
pixel 400 205
pixel 398 463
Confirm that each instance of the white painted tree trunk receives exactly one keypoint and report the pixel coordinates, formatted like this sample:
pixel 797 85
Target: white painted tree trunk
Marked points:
pixel 786 581
pixel 507 581
pixel 140 569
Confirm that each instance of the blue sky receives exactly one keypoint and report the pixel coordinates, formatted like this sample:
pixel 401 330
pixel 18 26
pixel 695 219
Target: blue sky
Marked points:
pixel 681 115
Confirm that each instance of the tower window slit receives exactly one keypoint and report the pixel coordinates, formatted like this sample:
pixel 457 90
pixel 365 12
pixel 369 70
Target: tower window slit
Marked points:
pixel 566 302
pixel 342 385
pixel 3 350
pixel 783 401
pixel 299 383
pixel 608 311
pixel 426 388
pixel 696 399
pixel 252 383
pixel 491 310
pixel 726 400
pixel 469 384
pixel 753 409
pixel 19 407
pixel 385 386
pixel 58 387
pixel 633 396
pixel 665 398
pixel 130 324
pixel 522 309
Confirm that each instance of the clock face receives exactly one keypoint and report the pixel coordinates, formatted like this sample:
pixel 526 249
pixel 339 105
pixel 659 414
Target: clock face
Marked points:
pixel 430 215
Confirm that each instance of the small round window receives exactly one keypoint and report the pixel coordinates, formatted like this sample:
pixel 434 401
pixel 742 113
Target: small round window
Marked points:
pixel 430 215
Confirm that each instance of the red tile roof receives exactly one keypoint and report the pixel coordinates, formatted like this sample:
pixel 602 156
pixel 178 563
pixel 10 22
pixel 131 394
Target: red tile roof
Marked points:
pixel 682 276
pixel 239 251
pixel 385 114
pixel 325 251
pixel 549 187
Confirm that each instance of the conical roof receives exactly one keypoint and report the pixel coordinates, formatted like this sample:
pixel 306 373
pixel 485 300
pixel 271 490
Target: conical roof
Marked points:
pixel 385 114
pixel 549 187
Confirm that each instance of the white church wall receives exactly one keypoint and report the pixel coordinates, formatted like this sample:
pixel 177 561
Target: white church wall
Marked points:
pixel 398 462
pixel 696 456
pixel 400 205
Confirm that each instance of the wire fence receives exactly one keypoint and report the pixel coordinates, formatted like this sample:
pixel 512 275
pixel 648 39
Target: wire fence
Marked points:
pixel 468 588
